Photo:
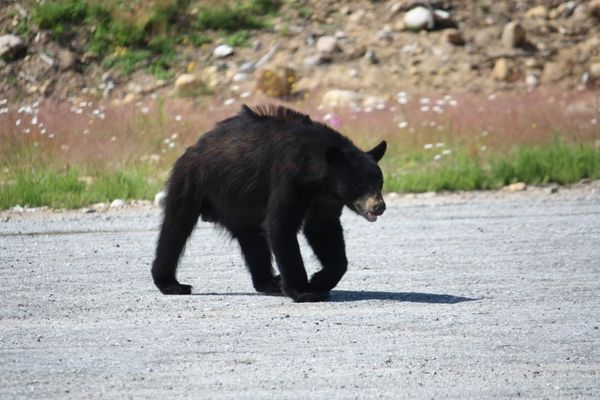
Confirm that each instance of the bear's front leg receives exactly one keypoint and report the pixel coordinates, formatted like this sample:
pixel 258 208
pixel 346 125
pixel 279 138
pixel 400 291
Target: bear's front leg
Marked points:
pixel 282 224
pixel 324 233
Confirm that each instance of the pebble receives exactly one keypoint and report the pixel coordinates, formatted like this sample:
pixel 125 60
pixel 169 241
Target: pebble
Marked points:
pixel 223 51
pixel 117 203
pixel 160 199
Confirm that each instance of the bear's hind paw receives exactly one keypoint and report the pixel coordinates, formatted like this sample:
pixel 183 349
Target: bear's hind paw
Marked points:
pixel 176 288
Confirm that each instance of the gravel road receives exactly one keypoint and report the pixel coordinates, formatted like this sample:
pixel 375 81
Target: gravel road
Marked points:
pixel 468 296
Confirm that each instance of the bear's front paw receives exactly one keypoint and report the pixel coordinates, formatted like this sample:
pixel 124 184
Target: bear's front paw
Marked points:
pixel 272 286
pixel 176 288
pixel 306 297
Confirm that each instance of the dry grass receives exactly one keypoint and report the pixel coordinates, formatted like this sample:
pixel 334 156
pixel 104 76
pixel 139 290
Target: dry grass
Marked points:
pixel 428 135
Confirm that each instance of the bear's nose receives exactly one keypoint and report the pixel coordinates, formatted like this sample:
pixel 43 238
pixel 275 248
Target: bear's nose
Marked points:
pixel 379 208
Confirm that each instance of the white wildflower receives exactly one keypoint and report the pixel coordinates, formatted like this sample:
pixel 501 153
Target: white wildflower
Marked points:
pixel 428 146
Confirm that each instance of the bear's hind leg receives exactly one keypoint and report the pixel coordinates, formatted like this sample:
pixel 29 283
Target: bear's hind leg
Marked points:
pixel 257 255
pixel 180 217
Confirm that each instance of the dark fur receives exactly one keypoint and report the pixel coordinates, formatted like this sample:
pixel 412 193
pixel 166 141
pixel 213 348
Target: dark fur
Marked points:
pixel 263 175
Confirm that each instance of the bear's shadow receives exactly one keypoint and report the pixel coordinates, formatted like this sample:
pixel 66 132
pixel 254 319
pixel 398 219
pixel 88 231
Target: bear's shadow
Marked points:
pixel 408 297
pixel 340 296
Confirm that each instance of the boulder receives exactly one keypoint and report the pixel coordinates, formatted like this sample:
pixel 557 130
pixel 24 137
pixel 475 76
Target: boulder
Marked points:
pixel 513 35
pixel 11 47
pixel 418 18
pixel 276 82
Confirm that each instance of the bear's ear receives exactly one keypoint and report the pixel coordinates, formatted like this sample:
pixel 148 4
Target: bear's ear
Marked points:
pixel 334 156
pixel 378 151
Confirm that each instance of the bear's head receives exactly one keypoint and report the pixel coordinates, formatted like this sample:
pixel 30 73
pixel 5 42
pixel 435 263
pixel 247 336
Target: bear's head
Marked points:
pixel 356 179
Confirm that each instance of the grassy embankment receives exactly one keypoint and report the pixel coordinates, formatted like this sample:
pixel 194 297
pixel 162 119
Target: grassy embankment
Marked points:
pixel 64 156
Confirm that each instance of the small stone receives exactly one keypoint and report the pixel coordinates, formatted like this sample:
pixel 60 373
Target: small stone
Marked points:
pixel 66 59
pixel 160 199
pixel 11 47
pixel 327 45
pixel 223 51
pixel 540 12
pixel 513 35
pixel 418 18
pixel 532 80
pixel 594 70
pixel 552 189
pixel 532 63
pixel 240 77
pixel 516 187
pixel 117 203
pixel 501 70
pixel 453 36
pixel 371 57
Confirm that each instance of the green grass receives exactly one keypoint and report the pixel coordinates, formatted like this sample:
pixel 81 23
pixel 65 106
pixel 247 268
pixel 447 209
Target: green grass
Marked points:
pixel 556 163
pixel 65 189
pixel 237 16
pixel 414 172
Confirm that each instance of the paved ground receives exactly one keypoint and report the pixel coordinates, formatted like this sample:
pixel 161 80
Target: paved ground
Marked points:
pixel 475 296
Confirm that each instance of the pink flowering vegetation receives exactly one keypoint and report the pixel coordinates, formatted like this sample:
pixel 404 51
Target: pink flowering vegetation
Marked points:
pixel 436 141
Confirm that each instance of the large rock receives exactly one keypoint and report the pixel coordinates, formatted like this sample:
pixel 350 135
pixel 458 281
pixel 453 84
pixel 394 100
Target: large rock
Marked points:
pixel 276 82
pixel 223 51
pixel 11 46
pixel 418 18
pixel 327 45
pixel 514 35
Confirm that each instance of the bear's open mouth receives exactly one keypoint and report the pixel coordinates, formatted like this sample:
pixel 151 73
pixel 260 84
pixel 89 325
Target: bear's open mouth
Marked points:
pixel 371 217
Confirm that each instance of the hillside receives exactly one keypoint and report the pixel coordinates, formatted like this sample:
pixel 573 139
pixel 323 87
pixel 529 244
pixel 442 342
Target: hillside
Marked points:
pixel 116 50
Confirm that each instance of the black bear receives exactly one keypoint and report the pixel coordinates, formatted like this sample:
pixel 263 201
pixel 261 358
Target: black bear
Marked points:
pixel 263 175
